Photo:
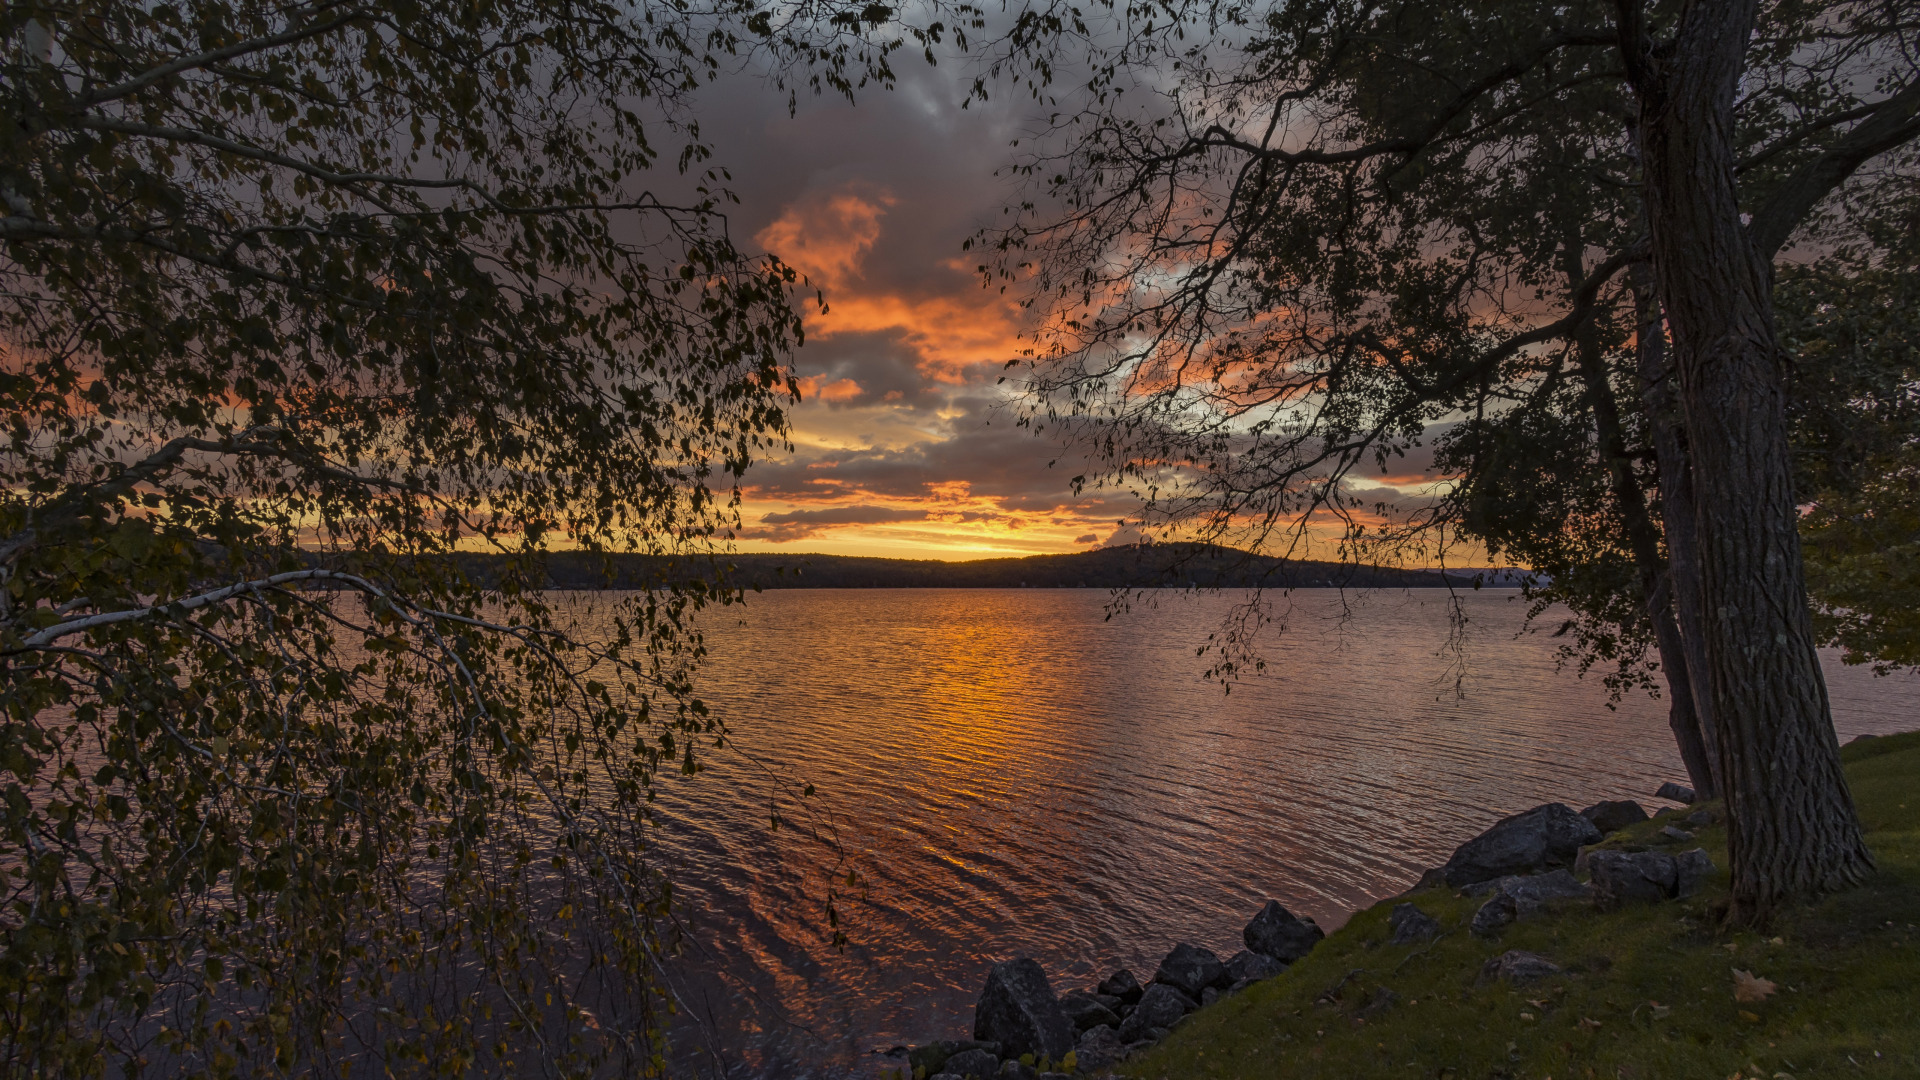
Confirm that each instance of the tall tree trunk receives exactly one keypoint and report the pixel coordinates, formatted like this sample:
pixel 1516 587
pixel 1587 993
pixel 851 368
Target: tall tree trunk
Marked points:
pixel 1676 507
pixel 1644 541
pixel 1792 827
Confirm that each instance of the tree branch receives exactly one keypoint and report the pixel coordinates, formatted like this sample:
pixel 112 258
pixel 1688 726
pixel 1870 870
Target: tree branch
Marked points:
pixel 1894 122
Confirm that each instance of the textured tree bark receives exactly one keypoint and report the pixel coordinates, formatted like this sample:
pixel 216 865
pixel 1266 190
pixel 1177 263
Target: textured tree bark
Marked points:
pixel 1676 507
pixel 1792 828
pixel 1644 541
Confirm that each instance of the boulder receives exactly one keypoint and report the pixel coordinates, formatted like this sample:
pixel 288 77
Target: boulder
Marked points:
pixel 1542 838
pixel 1208 996
pixel 1011 1069
pixel 1098 1048
pixel 1121 984
pixel 1494 916
pixel 978 1064
pixel 1679 793
pixel 1275 932
pixel 1612 816
pixel 1191 969
pixel 1675 834
pixel 1690 868
pixel 1018 1010
pixel 1517 966
pixel 1632 877
pixel 1411 925
pixel 1701 817
pixel 1088 1011
pixel 1161 1006
pixel 1247 966
pixel 933 1056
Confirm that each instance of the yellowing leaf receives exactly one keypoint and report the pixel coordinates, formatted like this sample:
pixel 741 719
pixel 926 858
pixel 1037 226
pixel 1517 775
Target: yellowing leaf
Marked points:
pixel 1748 987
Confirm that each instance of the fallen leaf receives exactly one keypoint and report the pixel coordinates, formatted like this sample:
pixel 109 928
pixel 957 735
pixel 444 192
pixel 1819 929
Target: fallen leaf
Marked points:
pixel 1751 1018
pixel 1748 987
pixel 1527 1016
pixel 1587 1023
pixel 1660 1011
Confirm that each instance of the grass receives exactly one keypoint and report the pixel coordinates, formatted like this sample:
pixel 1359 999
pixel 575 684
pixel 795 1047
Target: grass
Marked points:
pixel 1647 993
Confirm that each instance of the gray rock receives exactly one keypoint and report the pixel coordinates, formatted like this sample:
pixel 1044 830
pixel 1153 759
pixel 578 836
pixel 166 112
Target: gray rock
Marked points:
pixel 933 1056
pixel 1017 1009
pixel 1540 839
pixel 1087 1010
pixel 1690 868
pixel 1614 815
pixel 1378 1002
pixel 1208 996
pixel 974 1063
pixel 1432 879
pixel 1679 793
pixel 1631 877
pixel 1275 932
pixel 1017 1070
pixel 1155 1035
pixel 1678 835
pixel 946 1076
pixel 1495 915
pixel 1108 1000
pixel 1191 969
pixel 1517 966
pixel 1247 966
pixel 1098 1048
pixel 1160 1007
pixel 1701 817
pixel 1411 925
pixel 1121 984
pixel 1511 899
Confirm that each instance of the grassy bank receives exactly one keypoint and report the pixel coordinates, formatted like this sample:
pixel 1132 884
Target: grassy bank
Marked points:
pixel 1648 992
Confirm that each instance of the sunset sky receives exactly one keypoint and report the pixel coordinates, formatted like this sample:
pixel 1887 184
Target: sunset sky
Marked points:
pixel 904 447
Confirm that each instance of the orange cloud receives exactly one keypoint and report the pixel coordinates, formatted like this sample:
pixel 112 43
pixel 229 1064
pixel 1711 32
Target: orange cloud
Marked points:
pixel 816 387
pixel 829 240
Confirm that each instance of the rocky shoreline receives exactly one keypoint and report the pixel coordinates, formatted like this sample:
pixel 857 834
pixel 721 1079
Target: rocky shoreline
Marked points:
pixel 1526 866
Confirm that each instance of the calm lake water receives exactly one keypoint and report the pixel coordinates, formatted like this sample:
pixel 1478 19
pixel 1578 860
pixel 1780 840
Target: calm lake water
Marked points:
pixel 1009 773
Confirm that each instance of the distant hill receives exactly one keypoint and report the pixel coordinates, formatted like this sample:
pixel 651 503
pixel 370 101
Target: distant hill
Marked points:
pixel 1144 566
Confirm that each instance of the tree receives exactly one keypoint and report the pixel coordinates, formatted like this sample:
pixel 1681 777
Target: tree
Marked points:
pixel 299 301
pixel 1350 229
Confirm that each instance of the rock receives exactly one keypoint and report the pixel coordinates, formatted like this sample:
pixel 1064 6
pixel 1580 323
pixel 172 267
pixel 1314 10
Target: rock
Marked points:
pixel 1088 1011
pixel 1275 932
pixel 1631 877
pixel 1056 1076
pixel 1121 984
pixel 1679 793
pixel 1191 969
pixel 1098 1048
pixel 1495 915
pixel 1208 996
pixel 1017 1070
pixel 1155 1035
pixel 1160 1007
pixel 1241 985
pixel 1517 966
pixel 973 1063
pixel 1018 1010
pixel 1612 816
pixel 1411 925
pixel 1677 835
pixel 1432 879
pixel 946 1076
pixel 1539 839
pixel 1247 966
pixel 1701 817
pixel 1108 1000
pixel 1690 868
pixel 933 1056
pixel 1861 739
pixel 1378 1002
pixel 893 1051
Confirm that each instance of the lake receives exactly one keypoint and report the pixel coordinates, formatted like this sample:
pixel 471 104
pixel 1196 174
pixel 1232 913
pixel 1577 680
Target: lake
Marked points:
pixel 1010 773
